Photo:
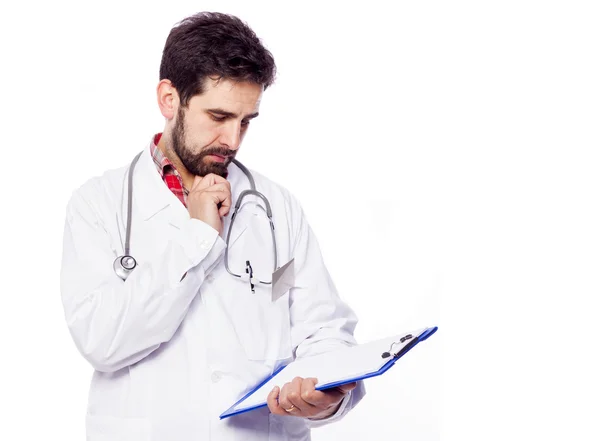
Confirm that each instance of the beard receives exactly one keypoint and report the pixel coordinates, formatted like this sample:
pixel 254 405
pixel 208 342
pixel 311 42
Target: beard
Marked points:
pixel 195 163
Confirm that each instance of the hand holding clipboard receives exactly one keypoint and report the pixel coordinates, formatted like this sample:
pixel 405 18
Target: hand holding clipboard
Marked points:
pixel 335 368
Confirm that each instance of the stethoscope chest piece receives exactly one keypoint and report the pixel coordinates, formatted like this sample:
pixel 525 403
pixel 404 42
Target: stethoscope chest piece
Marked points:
pixel 124 265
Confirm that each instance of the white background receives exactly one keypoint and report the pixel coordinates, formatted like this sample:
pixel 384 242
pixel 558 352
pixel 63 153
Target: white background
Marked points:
pixel 446 154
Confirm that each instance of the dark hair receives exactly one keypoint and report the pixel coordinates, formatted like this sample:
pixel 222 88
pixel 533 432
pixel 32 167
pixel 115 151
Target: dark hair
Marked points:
pixel 212 43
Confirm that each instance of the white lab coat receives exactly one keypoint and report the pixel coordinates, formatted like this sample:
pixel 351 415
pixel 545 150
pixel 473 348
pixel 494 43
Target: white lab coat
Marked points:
pixel 171 355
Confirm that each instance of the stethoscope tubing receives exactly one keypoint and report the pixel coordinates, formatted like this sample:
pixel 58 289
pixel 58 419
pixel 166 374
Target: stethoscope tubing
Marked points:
pixel 123 271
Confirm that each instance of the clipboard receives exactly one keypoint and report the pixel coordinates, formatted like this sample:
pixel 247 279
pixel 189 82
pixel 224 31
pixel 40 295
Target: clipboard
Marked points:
pixel 334 368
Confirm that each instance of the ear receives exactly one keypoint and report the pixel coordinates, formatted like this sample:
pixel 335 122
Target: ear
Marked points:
pixel 168 98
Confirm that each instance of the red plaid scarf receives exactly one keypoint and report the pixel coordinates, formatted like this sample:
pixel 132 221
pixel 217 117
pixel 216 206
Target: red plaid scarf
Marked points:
pixel 168 172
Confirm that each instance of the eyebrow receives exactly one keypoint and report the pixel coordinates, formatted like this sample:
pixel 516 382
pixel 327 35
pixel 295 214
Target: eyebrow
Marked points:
pixel 230 114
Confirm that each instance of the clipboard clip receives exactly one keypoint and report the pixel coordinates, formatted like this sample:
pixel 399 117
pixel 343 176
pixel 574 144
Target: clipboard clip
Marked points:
pixel 402 340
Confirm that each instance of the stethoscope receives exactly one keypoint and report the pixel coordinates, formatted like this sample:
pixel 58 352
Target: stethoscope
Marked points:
pixel 125 264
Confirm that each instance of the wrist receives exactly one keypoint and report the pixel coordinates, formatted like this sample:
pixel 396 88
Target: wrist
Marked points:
pixel 327 412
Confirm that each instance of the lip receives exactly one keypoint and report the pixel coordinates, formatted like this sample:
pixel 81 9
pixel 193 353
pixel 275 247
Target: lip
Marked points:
pixel 218 158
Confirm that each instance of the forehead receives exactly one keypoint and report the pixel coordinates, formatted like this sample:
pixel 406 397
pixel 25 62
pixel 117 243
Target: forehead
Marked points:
pixel 234 96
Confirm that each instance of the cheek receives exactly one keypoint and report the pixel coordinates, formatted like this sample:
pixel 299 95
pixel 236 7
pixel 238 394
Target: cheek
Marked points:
pixel 201 139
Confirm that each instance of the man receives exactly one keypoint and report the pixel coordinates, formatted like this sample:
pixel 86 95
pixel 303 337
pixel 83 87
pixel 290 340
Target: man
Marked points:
pixel 181 337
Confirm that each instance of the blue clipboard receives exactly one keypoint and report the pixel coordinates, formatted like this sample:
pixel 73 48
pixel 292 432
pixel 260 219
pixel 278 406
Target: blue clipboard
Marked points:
pixel 407 342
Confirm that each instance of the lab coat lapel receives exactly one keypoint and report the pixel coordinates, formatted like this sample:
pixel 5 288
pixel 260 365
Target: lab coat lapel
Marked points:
pixel 154 200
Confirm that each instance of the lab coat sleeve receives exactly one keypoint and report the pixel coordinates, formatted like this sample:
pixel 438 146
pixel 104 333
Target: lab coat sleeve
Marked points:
pixel 320 320
pixel 116 323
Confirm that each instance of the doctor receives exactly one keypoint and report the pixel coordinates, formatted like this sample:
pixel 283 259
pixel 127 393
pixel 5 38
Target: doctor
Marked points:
pixel 186 332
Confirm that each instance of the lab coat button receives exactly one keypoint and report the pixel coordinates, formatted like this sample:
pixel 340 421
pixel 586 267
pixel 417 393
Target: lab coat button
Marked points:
pixel 216 376
pixel 204 245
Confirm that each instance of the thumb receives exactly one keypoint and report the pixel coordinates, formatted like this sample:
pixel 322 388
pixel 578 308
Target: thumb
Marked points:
pixel 274 394
pixel 347 387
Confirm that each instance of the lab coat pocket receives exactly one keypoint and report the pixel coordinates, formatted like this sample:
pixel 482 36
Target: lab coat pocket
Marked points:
pixel 262 326
pixel 106 427
pixel 261 323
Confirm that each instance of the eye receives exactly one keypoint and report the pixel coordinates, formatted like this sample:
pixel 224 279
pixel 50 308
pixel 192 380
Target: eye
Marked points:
pixel 245 123
pixel 218 118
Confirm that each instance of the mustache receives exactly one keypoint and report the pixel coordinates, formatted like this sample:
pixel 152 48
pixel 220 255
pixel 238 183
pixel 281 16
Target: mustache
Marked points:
pixel 219 151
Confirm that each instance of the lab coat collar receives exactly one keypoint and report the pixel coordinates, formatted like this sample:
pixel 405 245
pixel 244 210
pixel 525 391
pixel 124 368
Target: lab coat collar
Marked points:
pixel 151 195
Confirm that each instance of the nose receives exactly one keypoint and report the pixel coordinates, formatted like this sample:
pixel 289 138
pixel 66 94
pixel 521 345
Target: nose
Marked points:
pixel 231 135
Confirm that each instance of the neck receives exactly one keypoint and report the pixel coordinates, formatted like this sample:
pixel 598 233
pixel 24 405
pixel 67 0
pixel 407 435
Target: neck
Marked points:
pixel 186 176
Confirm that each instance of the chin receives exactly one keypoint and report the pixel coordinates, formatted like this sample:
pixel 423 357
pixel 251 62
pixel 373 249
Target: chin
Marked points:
pixel 219 170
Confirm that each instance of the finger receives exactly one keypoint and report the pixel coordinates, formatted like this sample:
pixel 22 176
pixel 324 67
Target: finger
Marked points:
pixel 221 197
pixel 312 396
pixel 216 186
pixel 219 186
pixel 284 401
pixel 333 396
pixel 202 182
pixel 224 183
pixel 224 196
pixel 225 206
pixel 309 394
pixel 212 179
pixel 325 398
pixel 294 396
pixel 345 388
pixel 289 401
pixel 273 404
pixel 217 178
